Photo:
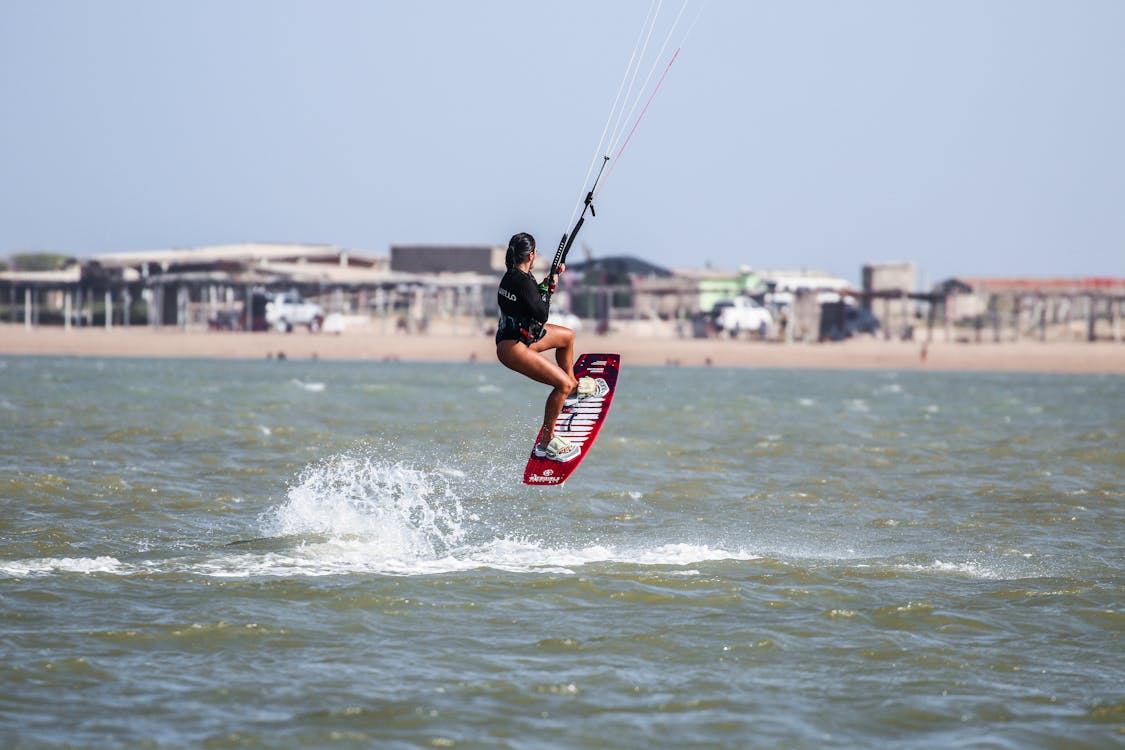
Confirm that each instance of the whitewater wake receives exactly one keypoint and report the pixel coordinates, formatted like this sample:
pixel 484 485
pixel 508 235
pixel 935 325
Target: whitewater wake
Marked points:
pixel 360 513
pixel 365 514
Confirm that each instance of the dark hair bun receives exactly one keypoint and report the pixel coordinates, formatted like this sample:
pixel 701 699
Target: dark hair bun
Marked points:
pixel 519 249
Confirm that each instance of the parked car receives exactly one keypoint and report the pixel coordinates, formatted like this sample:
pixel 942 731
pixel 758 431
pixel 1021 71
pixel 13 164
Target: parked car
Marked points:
pixel 734 316
pixel 283 311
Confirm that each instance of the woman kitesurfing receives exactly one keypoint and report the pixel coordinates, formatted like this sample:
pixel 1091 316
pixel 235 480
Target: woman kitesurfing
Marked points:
pixel 523 333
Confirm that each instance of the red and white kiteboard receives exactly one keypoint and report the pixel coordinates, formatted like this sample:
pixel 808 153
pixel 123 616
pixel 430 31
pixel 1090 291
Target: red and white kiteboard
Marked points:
pixel 580 421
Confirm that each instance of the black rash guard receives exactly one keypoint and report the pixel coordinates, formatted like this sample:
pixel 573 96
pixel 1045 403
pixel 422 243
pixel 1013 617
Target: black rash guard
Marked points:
pixel 523 308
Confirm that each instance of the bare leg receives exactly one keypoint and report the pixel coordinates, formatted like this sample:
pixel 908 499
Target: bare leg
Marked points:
pixel 564 351
pixel 551 410
pixel 527 361
pixel 561 339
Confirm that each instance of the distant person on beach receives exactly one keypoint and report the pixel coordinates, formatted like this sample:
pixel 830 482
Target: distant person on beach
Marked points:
pixel 523 333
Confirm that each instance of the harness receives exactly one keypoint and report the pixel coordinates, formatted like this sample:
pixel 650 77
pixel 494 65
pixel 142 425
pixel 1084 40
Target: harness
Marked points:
pixel 512 328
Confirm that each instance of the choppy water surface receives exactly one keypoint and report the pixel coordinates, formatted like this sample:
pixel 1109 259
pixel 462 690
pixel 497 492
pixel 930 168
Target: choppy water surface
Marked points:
pixel 315 554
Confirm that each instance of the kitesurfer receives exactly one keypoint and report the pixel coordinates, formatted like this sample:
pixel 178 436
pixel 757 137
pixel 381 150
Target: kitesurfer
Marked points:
pixel 523 333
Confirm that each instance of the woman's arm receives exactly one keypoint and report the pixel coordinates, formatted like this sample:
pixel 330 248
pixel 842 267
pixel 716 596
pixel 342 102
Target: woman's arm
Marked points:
pixel 533 299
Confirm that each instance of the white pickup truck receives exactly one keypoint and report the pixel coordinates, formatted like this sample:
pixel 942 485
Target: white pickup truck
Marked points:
pixel 284 311
pixel 741 314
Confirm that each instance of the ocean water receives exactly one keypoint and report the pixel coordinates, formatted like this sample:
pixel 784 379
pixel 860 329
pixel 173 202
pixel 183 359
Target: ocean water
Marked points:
pixel 218 554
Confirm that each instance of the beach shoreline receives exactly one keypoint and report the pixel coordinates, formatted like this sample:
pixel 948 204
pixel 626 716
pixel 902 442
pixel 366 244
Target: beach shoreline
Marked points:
pixel 367 343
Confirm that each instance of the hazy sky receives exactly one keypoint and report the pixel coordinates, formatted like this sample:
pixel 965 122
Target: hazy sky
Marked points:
pixel 974 137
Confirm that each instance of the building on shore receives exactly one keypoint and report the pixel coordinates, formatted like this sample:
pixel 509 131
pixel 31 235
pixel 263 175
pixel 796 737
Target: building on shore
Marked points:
pixel 889 293
pixel 1009 309
pixel 416 284
pixel 217 286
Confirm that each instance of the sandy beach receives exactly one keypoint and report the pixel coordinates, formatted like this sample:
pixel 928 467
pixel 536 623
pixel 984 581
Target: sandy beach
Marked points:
pixel 368 343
